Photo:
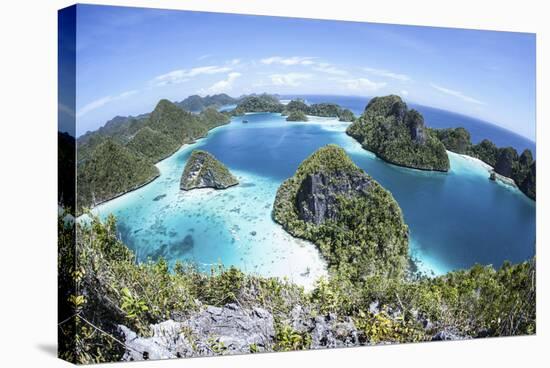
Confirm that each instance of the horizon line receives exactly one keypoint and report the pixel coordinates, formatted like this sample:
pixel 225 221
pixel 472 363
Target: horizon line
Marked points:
pixel 322 94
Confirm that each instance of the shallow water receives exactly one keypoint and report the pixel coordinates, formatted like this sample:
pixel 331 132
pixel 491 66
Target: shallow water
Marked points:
pixel 456 219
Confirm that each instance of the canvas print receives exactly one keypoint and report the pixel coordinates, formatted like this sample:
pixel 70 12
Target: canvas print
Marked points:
pixel 240 184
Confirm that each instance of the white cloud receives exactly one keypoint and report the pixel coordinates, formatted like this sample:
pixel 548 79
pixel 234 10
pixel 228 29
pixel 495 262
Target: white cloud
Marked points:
pixel 294 60
pixel 458 94
pixel 388 74
pixel 404 92
pixel 222 86
pixel 183 75
pixel 329 69
pixel 103 101
pixel 304 61
pixel 362 84
pixel 289 79
pixel 235 61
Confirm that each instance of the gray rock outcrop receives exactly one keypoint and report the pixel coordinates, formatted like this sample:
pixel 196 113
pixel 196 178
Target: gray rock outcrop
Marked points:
pixel 203 170
pixel 326 331
pixel 317 200
pixel 213 331
pixel 415 123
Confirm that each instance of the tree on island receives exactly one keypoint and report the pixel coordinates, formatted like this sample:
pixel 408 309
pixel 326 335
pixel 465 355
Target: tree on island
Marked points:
pixel 297 116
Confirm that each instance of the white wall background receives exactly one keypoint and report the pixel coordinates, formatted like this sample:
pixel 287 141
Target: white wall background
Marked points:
pixel 28 126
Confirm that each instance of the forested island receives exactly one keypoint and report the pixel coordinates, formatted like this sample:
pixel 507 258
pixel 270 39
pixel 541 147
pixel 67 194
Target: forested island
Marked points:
pixel 387 128
pixel 398 135
pixel 196 103
pixel 296 107
pixel 296 116
pixel 120 156
pixel 336 205
pixel 504 160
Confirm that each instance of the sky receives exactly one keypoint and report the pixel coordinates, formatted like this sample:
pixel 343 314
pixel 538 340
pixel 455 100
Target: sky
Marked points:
pixel 127 59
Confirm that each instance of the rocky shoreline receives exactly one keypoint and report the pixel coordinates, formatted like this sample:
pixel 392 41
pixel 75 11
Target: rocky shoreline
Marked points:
pixel 493 175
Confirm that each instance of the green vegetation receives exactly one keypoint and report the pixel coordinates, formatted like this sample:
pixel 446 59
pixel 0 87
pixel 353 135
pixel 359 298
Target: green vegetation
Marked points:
pixel 322 109
pixel 505 160
pixel 203 170
pixel 103 175
pixel 297 107
pixel 153 144
pixel 197 103
pixel 346 115
pixel 290 340
pixel 101 286
pixel 486 151
pixel 365 244
pixel 112 169
pixel 456 140
pixel 212 118
pixel 529 184
pixel 120 129
pixel 258 103
pixel 181 125
pixel 356 224
pixel 362 231
pixel 398 135
pixel 296 116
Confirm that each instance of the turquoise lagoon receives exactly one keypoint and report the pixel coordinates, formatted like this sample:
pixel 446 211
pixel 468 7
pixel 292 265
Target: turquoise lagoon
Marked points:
pixel 456 219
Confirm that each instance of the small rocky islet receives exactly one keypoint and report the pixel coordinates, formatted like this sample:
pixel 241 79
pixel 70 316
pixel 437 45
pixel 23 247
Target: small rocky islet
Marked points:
pixel 203 170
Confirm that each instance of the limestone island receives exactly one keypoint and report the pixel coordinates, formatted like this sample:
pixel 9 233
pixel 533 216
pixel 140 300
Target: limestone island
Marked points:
pixel 398 135
pixel 336 205
pixel 507 165
pixel 295 108
pixel 203 170
pixel 120 156
pixel 296 116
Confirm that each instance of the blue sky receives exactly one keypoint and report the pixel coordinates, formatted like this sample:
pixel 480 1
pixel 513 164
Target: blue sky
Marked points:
pixel 129 58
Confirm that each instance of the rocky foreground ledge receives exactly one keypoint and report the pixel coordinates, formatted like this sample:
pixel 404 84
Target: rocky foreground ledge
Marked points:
pixel 203 170
pixel 235 330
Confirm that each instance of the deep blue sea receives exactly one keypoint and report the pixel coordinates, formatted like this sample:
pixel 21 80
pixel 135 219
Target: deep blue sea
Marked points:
pixel 456 219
